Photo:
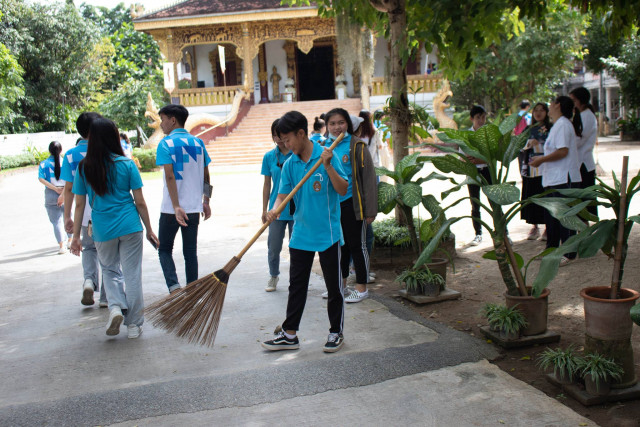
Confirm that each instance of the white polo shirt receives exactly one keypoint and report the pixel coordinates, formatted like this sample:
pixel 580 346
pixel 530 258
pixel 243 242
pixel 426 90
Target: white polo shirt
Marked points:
pixel 588 140
pixel 562 135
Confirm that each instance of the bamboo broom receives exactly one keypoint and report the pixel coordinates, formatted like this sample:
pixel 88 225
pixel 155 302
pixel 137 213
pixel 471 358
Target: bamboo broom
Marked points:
pixel 193 312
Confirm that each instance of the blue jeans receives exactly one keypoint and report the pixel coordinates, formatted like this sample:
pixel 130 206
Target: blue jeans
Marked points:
pixel 167 231
pixel 274 244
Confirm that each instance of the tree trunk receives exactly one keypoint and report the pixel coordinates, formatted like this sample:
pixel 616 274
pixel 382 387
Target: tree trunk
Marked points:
pixel 504 266
pixel 415 244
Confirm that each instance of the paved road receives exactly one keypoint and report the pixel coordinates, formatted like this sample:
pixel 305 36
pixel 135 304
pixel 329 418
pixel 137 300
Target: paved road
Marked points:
pixel 396 368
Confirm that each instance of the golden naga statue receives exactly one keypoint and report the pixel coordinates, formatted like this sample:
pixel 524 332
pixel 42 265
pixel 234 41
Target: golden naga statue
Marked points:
pixel 439 106
pixel 152 113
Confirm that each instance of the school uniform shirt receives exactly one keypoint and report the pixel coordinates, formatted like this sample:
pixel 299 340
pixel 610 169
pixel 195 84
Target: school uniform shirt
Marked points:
pixel 343 152
pixel 114 214
pixel 46 171
pixel 188 156
pixel 272 164
pixel 587 141
pixel 316 221
pixel 316 137
pixel 70 162
pixel 561 135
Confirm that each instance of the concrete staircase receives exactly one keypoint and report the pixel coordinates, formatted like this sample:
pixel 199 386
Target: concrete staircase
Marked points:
pixel 248 143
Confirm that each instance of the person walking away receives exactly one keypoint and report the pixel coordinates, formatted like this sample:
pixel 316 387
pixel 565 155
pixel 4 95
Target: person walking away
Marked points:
pixel 49 176
pixel 272 163
pixel 316 228
pixel 560 165
pixel 587 142
pixel 531 177
pixel 127 148
pixel 90 263
pixel 319 129
pixel 525 121
pixel 186 193
pixel 359 206
pixel 478 119
pixel 105 180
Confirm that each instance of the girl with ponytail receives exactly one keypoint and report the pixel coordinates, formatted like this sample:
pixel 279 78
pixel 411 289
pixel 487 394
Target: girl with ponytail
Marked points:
pixel 587 141
pixel 49 176
pixel 560 164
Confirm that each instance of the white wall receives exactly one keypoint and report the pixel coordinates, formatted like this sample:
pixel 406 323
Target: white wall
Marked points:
pixel 380 56
pixel 13 144
pixel 202 63
pixel 275 55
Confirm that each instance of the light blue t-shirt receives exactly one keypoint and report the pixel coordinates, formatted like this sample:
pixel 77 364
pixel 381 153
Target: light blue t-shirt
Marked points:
pixel 114 214
pixel 46 171
pixel 189 157
pixel 272 163
pixel 70 162
pixel 316 220
pixel 343 152
pixel 316 137
pixel 126 148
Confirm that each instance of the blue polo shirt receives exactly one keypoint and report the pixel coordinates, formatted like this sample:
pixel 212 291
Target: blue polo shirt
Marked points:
pixel 70 162
pixel 272 164
pixel 316 225
pixel 114 214
pixel 343 152
pixel 316 137
pixel 46 171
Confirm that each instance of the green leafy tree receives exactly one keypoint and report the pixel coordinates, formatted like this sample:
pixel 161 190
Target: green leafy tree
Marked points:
pixel 626 68
pixel 11 89
pixel 107 20
pixel 529 65
pixel 598 45
pixel 54 46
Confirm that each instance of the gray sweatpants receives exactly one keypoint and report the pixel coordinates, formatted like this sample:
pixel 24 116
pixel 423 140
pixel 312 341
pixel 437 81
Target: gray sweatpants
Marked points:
pixel 90 263
pixel 56 214
pixel 125 251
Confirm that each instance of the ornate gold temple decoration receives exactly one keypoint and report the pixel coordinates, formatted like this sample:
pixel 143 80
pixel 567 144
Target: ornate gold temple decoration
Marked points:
pixel 440 105
pixel 290 48
pixel 230 57
pixel 152 113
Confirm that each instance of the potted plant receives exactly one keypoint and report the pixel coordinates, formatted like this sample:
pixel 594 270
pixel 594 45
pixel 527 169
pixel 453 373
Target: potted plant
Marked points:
pixel 495 146
pixel 508 321
pixel 598 373
pixel 565 363
pixel 629 128
pixel 421 281
pixel 607 308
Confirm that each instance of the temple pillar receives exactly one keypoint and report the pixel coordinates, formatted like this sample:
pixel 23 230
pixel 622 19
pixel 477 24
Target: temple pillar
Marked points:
pixel 247 53
pixel 290 49
pixel 263 75
pixel 194 68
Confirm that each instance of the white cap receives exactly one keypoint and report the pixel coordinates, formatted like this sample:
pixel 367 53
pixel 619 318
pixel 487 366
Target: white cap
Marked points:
pixel 356 122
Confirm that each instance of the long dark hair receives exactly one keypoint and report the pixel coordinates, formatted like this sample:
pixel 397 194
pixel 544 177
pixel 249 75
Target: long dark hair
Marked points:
pixel 569 110
pixel 55 148
pixel 584 96
pixel 341 112
pixel 104 142
pixel 318 124
pixel 366 128
pixel 546 122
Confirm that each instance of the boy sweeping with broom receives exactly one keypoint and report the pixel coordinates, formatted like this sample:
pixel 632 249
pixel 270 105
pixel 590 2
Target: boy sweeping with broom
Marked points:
pixel 316 228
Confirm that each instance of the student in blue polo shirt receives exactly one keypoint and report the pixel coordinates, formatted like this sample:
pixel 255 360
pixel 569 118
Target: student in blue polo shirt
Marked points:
pixel 90 264
pixel 272 163
pixel 185 161
pixel 105 181
pixel 319 128
pixel 49 176
pixel 316 228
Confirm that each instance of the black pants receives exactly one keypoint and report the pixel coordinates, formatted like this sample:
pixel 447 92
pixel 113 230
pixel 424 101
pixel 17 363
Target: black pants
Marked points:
pixel 474 193
pixel 588 179
pixel 556 233
pixel 299 273
pixel 355 243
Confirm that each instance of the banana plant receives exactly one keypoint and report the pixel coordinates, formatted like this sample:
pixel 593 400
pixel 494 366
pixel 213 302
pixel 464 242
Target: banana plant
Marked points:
pixel 495 145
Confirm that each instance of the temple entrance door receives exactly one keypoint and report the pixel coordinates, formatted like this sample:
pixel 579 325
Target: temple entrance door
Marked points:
pixel 316 74
pixel 231 75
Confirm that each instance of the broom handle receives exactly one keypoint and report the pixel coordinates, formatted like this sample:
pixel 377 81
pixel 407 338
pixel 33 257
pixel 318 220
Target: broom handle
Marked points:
pixel 288 198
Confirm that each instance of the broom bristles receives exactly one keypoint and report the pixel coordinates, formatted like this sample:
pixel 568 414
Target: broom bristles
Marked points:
pixel 194 311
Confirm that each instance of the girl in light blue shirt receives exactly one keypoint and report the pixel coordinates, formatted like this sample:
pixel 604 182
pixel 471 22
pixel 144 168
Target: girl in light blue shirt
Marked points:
pixel 49 176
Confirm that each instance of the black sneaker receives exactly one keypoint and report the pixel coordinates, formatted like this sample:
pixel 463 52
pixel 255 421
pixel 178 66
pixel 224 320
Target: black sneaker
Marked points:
pixel 281 342
pixel 334 342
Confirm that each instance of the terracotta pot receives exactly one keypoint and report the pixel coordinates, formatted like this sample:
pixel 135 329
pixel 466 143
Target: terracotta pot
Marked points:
pixel 602 389
pixel 439 266
pixel 608 328
pixel 534 310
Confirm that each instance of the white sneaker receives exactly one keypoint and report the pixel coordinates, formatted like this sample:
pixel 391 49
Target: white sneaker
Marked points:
pixel 103 304
pixel 345 291
pixel 372 274
pixel 133 331
pixel 356 296
pixel 476 240
pixel 271 285
pixel 87 292
pixel 115 320
pixel 62 250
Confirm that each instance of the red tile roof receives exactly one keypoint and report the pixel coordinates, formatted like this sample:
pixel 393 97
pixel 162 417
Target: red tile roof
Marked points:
pixel 212 7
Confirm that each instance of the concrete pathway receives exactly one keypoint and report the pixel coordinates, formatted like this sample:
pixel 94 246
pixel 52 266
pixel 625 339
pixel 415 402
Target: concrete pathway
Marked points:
pixel 396 368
